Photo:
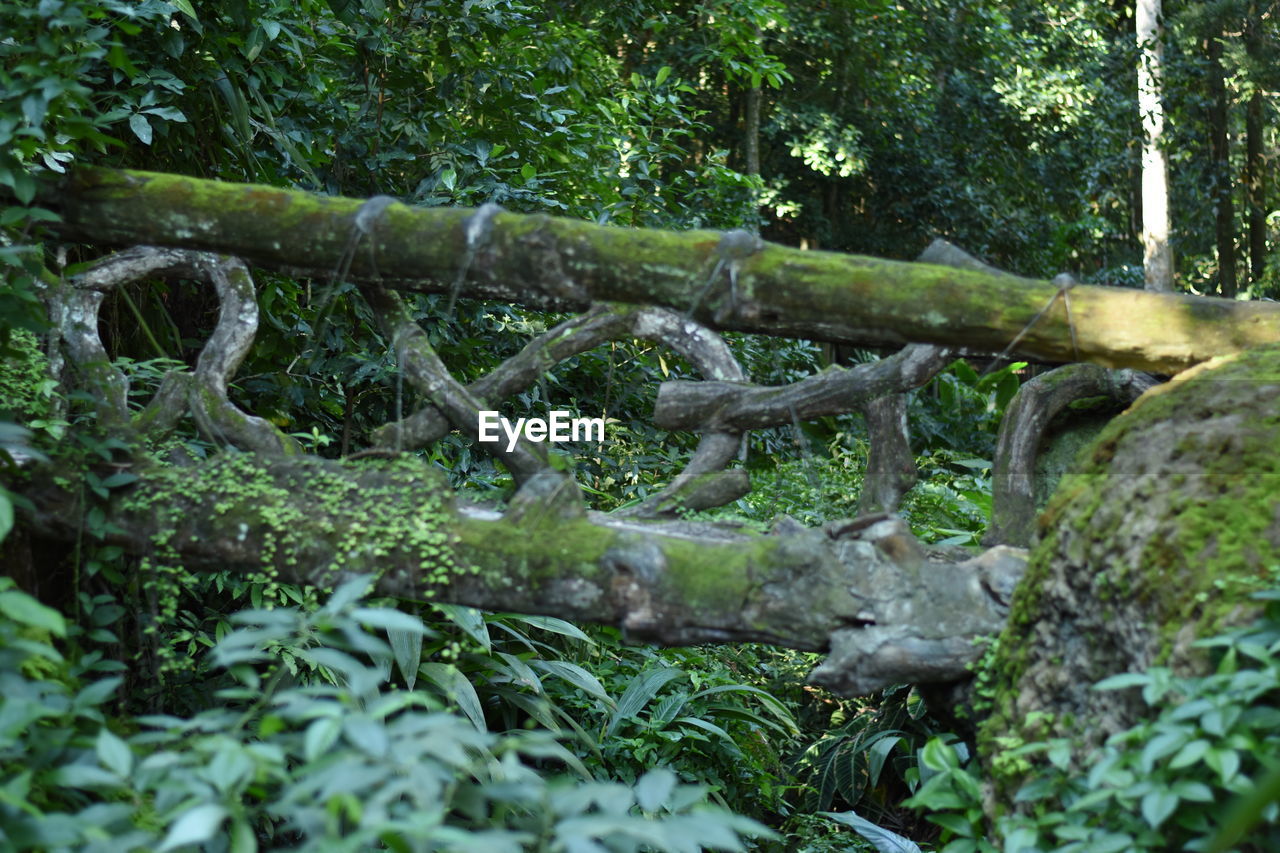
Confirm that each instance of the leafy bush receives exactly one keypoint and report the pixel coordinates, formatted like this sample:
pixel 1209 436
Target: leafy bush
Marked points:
pixel 320 754
pixel 1160 785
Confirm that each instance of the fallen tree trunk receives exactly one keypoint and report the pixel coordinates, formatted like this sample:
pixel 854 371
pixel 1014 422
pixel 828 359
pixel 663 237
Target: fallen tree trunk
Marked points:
pixel 888 609
pixel 727 281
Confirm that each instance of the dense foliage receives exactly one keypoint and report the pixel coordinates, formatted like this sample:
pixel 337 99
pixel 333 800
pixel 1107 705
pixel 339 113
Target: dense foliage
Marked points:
pixel 163 711
pixel 1159 785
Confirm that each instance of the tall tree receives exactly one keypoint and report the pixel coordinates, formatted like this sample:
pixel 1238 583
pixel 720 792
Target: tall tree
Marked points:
pixel 1223 209
pixel 1157 254
pixel 1254 129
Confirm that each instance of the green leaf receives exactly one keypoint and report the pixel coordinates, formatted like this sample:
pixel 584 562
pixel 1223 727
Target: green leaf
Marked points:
pixel 321 735
pixel 1189 754
pixel 1024 839
pixel 527 171
pixel 638 693
pixel 1157 806
pixel 550 623
pixel 521 672
pixel 20 607
pixel 24 187
pixel 458 689
pixel 347 11
pixel 120 478
pixel 938 756
pixel 1225 762
pixel 878 753
pixel 882 839
pixel 185 7
pixel 1247 811
pixel 83 776
pixel 114 753
pixel 470 620
pixel 1196 792
pixel 653 788
pixel 6 514
pixel 196 826
pixel 710 728
pixel 663 73
pixel 389 619
pixel 1123 680
pixel 347 594
pixel 367 735
pixel 96 693
pixel 954 823
pixel 243 839
pixel 1161 745
pixel 141 128
pixel 575 675
pixel 406 647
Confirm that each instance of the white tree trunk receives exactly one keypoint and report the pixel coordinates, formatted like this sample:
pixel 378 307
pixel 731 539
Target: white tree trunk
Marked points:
pixel 1157 256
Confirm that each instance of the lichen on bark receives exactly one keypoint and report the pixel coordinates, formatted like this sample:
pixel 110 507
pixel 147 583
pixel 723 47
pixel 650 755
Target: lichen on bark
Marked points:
pixel 1156 538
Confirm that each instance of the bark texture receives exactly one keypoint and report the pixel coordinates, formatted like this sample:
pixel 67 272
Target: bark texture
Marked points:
pixel 1155 540
pixel 545 262
pixel 1157 253
pixel 1224 213
pixel 1016 494
pixel 889 609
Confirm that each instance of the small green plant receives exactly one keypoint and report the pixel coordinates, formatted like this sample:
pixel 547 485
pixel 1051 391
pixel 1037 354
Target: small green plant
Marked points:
pixel 1159 785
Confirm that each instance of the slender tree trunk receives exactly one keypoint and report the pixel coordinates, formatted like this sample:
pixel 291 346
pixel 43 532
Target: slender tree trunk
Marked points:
pixel 1254 175
pixel 1157 255
pixel 1225 213
pixel 751 142
pixel 751 120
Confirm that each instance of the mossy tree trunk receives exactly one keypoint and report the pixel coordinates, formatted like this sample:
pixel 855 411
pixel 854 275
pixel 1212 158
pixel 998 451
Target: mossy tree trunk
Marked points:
pixel 547 262
pixel 1158 538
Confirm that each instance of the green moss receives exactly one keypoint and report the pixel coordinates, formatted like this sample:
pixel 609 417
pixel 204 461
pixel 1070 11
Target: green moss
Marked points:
pixel 1211 538
pixel 389 509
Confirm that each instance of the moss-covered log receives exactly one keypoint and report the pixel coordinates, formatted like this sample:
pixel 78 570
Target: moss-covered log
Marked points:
pixel 891 610
pixel 727 283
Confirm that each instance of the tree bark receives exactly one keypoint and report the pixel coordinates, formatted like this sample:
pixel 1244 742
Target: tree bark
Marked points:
pixel 751 135
pixel 1224 213
pixel 892 609
pixel 1157 254
pixel 1159 536
pixel 891 467
pixel 1013 488
pixel 1254 174
pixel 551 263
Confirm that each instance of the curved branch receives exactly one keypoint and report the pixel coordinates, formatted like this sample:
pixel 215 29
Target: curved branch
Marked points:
pixel 232 337
pixel 78 326
pixel 737 407
pixel 1013 506
pixel 203 393
pixel 700 346
pixel 424 369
